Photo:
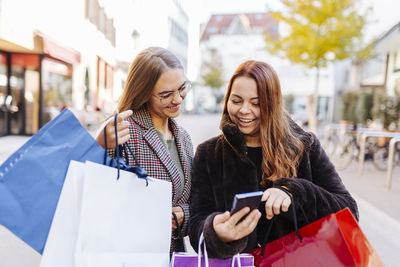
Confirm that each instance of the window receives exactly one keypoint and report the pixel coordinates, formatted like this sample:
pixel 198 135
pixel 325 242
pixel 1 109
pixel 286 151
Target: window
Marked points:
pixel 178 32
pixel 212 29
pixel 97 16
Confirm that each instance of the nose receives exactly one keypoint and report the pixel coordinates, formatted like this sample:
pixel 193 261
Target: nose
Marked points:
pixel 177 98
pixel 244 109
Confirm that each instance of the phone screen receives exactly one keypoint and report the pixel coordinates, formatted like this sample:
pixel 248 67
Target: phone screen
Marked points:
pixel 251 200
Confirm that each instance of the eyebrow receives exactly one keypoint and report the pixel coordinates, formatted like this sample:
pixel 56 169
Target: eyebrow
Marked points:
pixel 253 98
pixel 170 91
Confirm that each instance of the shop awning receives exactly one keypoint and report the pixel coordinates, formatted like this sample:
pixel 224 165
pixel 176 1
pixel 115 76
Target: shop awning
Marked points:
pixel 55 50
pixel 11 47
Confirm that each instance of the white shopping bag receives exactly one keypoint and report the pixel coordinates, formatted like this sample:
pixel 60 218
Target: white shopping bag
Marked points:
pixel 61 242
pixel 123 222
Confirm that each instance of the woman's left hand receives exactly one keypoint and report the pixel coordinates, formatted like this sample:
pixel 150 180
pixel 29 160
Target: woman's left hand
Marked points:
pixel 276 201
pixel 180 215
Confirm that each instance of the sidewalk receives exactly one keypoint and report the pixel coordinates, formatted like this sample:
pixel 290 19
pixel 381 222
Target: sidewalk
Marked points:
pixel 379 209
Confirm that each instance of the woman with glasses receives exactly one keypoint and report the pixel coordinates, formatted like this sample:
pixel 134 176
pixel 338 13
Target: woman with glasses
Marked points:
pixel 152 98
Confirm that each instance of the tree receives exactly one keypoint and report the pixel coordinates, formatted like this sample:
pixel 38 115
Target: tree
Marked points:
pixel 212 75
pixel 319 32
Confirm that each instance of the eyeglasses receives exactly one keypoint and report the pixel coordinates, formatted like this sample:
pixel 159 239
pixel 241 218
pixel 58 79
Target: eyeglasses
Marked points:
pixel 167 97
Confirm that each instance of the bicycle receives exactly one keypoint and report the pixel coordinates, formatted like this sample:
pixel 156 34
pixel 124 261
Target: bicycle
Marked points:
pixel 380 156
pixel 349 150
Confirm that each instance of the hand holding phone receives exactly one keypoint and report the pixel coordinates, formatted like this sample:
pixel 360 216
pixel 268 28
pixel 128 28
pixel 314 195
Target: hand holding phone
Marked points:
pixel 251 200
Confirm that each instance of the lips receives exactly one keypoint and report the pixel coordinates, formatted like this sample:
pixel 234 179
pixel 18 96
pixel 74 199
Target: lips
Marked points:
pixel 174 108
pixel 246 120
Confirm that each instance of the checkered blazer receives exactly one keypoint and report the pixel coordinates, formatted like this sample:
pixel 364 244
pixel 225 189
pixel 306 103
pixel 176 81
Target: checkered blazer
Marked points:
pixel 154 157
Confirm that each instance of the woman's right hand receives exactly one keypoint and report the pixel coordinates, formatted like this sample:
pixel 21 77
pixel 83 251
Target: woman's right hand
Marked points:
pixel 122 130
pixel 228 228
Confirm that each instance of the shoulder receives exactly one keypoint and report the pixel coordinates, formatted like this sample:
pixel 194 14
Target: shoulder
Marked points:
pixel 307 138
pixel 210 146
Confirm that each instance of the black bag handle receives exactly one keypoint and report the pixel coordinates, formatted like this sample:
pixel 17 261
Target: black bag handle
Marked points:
pixel 294 220
pixel 139 171
pixel 178 231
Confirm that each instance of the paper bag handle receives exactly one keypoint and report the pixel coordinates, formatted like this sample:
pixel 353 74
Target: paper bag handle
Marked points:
pixel 294 220
pixel 202 241
pixel 139 171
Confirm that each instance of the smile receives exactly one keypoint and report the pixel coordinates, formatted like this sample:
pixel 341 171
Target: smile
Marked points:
pixel 246 121
pixel 174 108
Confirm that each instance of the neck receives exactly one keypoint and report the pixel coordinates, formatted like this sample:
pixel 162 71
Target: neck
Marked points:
pixel 161 125
pixel 253 141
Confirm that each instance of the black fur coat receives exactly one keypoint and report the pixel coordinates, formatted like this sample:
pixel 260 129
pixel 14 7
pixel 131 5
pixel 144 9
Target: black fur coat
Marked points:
pixel 222 169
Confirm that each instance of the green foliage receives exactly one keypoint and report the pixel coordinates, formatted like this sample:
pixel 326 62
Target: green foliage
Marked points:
pixel 387 110
pixel 363 108
pixel 320 31
pixel 288 102
pixel 348 107
pixel 212 73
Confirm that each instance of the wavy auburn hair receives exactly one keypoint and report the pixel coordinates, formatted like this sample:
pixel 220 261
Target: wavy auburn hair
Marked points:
pixel 281 149
pixel 143 75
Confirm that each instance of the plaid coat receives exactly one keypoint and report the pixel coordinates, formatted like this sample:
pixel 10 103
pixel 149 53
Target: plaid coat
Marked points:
pixel 154 157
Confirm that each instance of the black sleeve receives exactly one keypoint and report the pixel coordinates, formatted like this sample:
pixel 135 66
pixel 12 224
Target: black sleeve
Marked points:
pixel 325 194
pixel 203 210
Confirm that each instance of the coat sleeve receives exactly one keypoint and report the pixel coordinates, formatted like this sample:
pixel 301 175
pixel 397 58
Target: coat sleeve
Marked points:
pixel 203 209
pixel 325 193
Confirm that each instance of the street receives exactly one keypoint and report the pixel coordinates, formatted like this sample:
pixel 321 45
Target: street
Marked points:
pixel 379 210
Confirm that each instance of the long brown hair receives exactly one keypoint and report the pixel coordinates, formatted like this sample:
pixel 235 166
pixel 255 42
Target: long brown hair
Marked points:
pixel 144 73
pixel 281 149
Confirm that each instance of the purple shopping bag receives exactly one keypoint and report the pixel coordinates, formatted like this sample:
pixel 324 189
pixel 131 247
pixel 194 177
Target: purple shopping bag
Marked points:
pixel 182 259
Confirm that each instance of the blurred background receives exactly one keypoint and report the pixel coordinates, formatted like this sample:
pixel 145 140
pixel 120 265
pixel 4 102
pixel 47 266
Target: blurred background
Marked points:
pixel 76 54
pixel 338 62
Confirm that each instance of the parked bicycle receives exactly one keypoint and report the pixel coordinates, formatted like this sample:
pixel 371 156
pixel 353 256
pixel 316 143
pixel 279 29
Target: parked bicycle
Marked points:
pixel 381 156
pixel 343 148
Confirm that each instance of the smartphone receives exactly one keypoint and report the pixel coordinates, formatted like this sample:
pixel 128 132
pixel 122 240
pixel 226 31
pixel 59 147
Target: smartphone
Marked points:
pixel 251 200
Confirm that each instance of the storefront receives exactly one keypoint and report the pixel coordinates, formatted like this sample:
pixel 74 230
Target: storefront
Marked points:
pixel 35 85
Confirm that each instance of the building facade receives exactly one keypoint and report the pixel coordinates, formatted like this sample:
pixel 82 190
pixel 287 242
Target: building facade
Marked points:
pixel 235 38
pixel 53 55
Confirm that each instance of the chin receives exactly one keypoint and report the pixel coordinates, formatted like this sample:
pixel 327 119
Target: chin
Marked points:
pixel 173 114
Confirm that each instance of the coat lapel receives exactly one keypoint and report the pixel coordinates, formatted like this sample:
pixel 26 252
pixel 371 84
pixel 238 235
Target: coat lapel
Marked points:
pixel 182 155
pixel 143 118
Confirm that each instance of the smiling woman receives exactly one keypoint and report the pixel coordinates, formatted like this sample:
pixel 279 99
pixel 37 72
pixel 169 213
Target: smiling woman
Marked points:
pixel 152 98
pixel 260 148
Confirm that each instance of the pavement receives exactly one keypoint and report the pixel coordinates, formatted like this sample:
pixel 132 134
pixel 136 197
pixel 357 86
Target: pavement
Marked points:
pixel 379 209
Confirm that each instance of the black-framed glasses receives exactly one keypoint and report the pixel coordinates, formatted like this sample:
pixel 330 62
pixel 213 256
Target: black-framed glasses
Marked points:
pixel 167 97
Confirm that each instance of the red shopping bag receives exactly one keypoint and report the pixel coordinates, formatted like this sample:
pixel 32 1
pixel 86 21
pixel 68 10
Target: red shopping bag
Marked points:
pixel 335 240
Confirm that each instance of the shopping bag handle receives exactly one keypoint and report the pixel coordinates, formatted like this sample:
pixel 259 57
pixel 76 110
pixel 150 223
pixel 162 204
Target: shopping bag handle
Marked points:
pixel 139 171
pixel 294 220
pixel 202 241
pixel 178 231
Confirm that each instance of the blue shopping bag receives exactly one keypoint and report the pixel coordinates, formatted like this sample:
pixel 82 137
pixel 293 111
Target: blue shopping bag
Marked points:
pixel 32 178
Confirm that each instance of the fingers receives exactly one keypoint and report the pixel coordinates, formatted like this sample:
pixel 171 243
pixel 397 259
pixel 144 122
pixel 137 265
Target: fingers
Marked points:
pixel 173 224
pixel 221 218
pixel 177 209
pixel 276 201
pixel 122 116
pixel 268 206
pixel 122 131
pixel 247 226
pixel 123 136
pixel 286 204
pixel 235 218
pixel 266 195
